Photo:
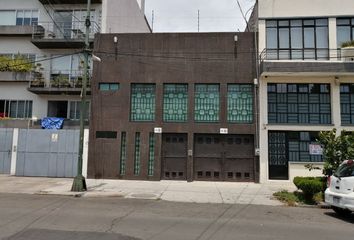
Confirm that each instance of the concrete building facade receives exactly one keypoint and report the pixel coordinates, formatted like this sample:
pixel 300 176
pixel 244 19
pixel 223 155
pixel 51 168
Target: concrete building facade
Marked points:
pixel 306 81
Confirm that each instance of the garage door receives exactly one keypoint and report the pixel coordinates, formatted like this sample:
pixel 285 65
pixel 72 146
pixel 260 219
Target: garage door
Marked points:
pixel 174 156
pixel 223 157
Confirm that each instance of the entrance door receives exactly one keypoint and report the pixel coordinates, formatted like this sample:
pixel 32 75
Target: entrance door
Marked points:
pixel 278 156
pixel 5 150
pixel 174 156
pixel 223 157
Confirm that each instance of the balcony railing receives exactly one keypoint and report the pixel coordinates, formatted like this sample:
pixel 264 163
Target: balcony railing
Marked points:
pixel 67 31
pixel 16 76
pixel 308 54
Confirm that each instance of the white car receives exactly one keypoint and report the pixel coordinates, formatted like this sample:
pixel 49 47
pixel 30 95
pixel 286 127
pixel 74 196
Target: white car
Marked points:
pixel 340 191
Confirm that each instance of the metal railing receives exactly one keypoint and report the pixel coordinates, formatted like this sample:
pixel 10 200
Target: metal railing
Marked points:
pixel 310 54
pixel 60 79
pixel 74 30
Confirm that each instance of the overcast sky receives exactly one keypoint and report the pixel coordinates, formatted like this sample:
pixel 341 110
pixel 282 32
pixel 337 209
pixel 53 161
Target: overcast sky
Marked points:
pixel 182 15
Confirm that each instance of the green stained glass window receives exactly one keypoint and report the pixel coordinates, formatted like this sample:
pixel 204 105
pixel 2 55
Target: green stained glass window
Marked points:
pixel 151 154
pixel 123 152
pixel 175 102
pixel 137 154
pixel 206 103
pixel 109 86
pixel 143 102
pixel 240 103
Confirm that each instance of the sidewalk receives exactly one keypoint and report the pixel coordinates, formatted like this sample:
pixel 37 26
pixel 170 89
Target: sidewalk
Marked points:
pixel 178 191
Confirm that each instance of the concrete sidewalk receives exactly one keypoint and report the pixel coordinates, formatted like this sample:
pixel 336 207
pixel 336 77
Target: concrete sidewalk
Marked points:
pixel 178 191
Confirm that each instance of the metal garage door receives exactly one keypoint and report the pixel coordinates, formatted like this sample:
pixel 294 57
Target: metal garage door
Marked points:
pixel 174 156
pixel 5 150
pixel 223 157
pixel 47 153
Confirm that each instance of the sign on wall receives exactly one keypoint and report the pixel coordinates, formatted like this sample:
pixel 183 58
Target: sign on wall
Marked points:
pixel 315 149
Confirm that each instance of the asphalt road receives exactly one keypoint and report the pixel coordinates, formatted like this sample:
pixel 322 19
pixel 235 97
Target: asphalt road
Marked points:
pixel 35 217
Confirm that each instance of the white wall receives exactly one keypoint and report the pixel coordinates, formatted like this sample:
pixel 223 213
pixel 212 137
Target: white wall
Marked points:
pixel 297 169
pixel 301 8
pixel 123 16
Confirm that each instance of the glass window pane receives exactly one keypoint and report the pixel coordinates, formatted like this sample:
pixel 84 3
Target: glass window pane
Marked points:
pixel 321 22
pixel 13 109
pixel 206 103
pixel 296 38
pixel 271 23
pixel 239 103
pixel 272 38
pixel 343 21
pixel 309 37
pixel 7 18
pixel 343 35
pixel 175 102
pixel 322 37
pixel 297 23
pixel 142 102
pixel 283 23
pixel 309 22
pixel 21 109
pixel 114 86
pixel 104 86
pixel 283 38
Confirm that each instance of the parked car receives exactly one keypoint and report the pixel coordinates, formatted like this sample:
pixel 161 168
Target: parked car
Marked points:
pixel 340 189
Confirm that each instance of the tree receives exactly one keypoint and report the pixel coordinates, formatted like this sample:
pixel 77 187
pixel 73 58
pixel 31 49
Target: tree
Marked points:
pixel 336 149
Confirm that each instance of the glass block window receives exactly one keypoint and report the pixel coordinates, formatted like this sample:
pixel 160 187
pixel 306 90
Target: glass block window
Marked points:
pixel 15 109
pixel 108 86
pixel 151 154
pixel 299 103
pixel 123 153
pixel 347 103
pixel 142 102
pixel 298 146
pixel 137 154
pixel 175 102
pixel 240 103
pixel 207 102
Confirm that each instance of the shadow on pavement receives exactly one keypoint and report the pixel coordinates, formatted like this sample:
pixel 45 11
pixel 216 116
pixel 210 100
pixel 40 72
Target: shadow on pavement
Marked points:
pixel 348 219
pixel 46 234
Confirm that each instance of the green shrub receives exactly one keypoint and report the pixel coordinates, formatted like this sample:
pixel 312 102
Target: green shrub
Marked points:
pixel 309 186
pixel 347 44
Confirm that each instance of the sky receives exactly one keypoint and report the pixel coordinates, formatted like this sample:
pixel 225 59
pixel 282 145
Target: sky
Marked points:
pixel 182 15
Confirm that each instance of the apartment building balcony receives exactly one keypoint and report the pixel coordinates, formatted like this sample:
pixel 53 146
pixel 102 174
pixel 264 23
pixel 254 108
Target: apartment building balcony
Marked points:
pixel 15 31
pixel 62 34
pixel 16 76
pixel 46 2
pixel 315 62
pixel 64 82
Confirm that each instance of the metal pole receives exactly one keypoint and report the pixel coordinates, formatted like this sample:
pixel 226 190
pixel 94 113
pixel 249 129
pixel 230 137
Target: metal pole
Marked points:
pixel 79 184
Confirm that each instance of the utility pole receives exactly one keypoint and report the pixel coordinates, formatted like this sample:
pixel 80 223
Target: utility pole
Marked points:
pixel 79 184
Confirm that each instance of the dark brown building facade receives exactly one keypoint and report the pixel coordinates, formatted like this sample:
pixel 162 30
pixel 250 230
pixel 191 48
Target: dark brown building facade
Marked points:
pixel 177 106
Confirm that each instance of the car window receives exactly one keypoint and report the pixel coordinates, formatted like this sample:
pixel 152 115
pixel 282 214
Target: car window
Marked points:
pixel 345 170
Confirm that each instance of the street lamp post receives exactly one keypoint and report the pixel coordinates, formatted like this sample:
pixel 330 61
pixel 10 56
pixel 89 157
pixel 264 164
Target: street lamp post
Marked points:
pixel 79 183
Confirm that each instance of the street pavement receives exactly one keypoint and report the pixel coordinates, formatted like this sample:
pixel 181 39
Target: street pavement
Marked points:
pixel 50 217
pixel 176 191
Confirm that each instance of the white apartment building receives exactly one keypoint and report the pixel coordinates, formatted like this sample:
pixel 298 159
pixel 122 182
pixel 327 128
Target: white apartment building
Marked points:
pixel 306 82
pixel 50 34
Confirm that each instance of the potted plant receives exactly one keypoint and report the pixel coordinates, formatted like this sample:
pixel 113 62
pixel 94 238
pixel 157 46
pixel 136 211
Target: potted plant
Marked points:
pixel 14 68
pixel 37 73
pixel 60 80
pixel 347 51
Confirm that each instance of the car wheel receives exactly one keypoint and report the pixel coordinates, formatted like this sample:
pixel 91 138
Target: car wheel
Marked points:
pixel 342 212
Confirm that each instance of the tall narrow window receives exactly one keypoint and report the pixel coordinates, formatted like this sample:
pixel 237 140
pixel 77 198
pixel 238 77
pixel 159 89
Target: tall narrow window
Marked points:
pixel 137 154
pixel 347 103
pixel 142 102
pixel 240 103
pixel 175 101
pixel 345 30
pixel 123 153
pixel 206 103
pixel 151 154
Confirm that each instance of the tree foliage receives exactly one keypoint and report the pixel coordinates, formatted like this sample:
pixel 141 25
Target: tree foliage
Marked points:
pixel 16 64
pixel 336 149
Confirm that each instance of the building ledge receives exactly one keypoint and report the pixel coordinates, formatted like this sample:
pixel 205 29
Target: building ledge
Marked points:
pixel 54 2
pixel 57 91
pixel 15 76
pixel 15 31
